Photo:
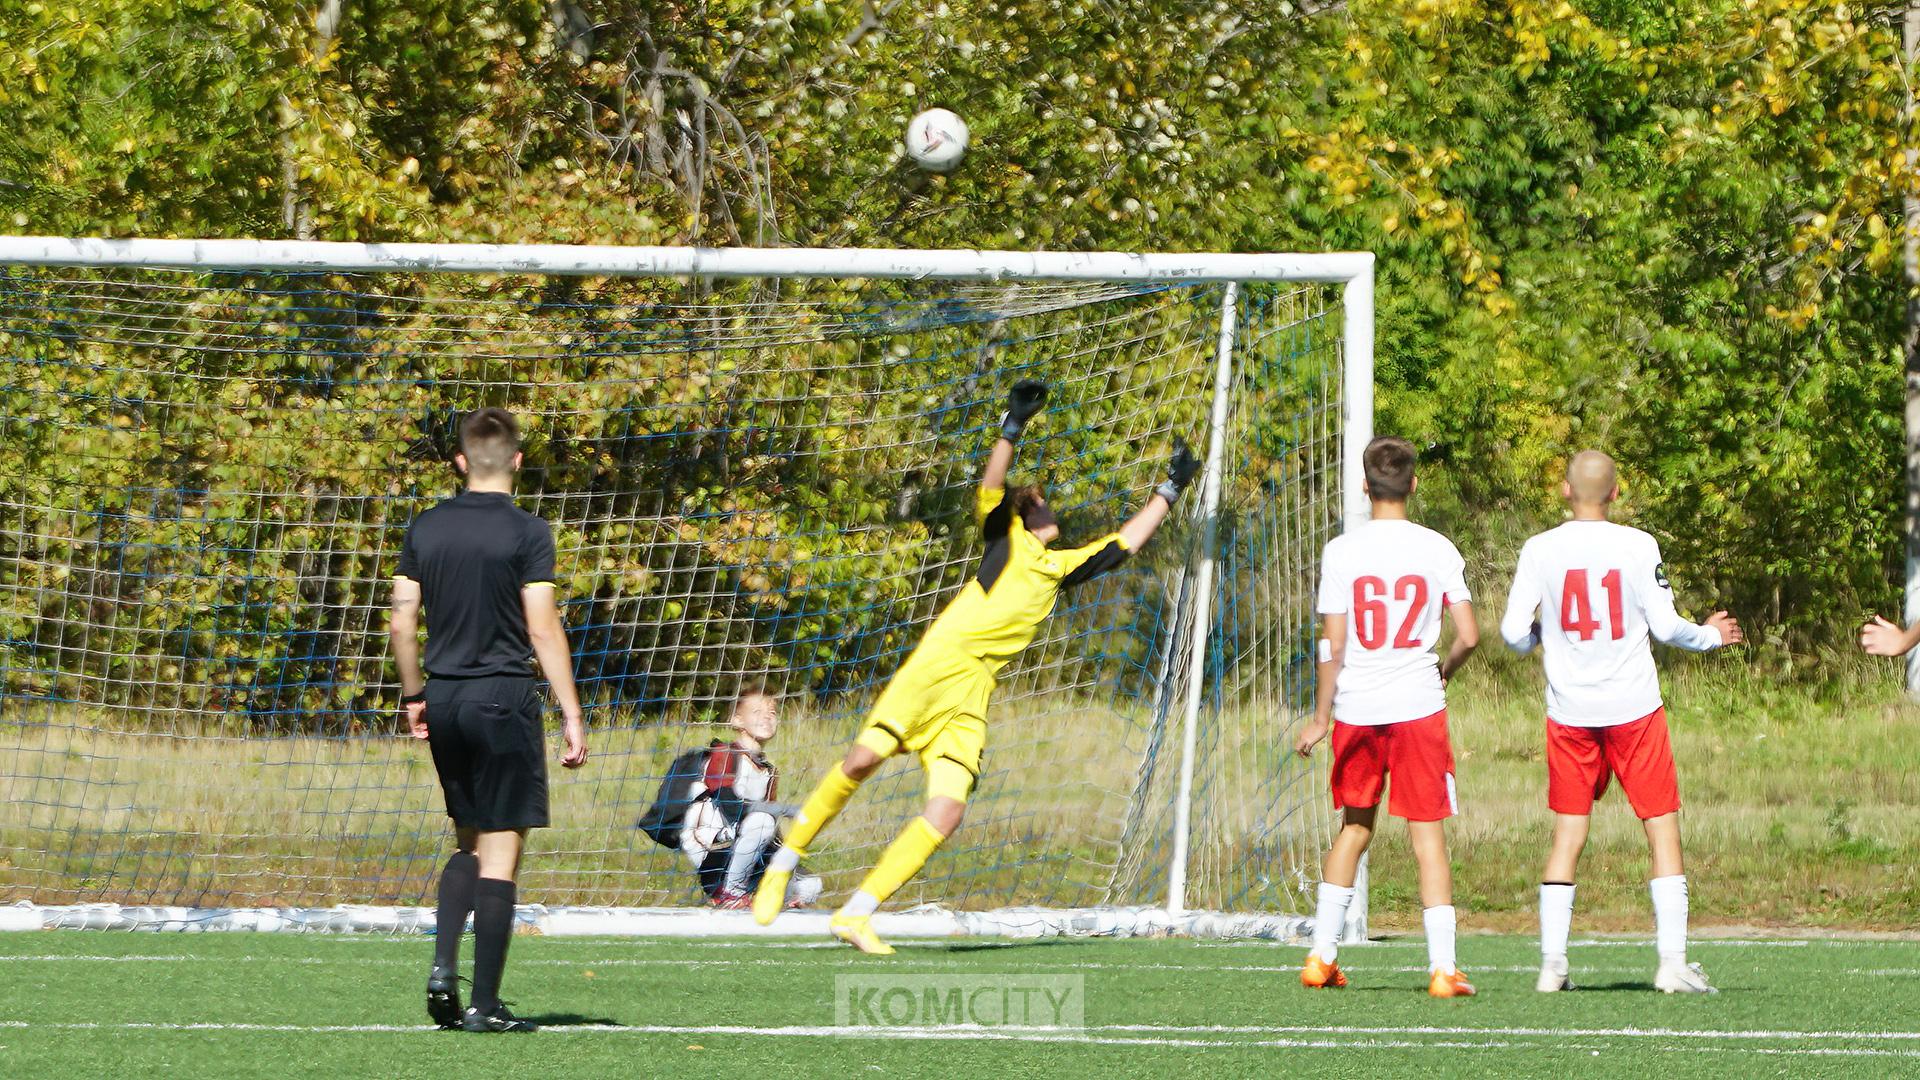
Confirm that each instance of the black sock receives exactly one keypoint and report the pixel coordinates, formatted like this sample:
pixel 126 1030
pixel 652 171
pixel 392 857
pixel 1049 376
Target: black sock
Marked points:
pixel 492 930
pixel 456 903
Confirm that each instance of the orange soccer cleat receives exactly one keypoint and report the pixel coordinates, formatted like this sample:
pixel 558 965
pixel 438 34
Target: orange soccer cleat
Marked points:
pixel 1447 984
pixel 1320 974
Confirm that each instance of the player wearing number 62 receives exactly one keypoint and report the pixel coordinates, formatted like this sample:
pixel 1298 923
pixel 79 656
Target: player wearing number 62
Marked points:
pixel 1382 589
pixel 935 706
pixel 1600 590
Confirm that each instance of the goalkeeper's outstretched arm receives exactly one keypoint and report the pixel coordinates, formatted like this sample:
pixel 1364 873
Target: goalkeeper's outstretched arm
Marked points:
pixel 1083 564
pixel 1181 469
pixel 1026 399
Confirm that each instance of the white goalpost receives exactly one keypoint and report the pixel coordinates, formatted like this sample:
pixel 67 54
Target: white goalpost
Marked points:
pixel 757 463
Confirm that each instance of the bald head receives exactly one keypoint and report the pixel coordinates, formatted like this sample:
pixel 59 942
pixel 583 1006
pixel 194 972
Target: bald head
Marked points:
pixel 1590 479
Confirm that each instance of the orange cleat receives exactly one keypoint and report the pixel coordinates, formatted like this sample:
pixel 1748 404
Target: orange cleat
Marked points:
pixel 1320 974
pixel 1447 984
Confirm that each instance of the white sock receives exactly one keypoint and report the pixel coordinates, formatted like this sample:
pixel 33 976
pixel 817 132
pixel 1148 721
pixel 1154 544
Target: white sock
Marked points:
pixel 1556 923
pixel 1329 919
pixel 784 861
pixel 805 888
pixel 1670 917
pixel 1440 928
pixel 859 904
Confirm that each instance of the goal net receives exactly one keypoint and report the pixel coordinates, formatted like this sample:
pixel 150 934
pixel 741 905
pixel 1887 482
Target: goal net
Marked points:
pixel 210 465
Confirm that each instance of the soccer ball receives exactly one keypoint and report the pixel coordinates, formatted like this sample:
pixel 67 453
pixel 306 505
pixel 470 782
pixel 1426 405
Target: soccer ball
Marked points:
pixel 936 140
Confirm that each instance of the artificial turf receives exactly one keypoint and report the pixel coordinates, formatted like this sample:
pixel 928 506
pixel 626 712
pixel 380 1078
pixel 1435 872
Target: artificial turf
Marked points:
pixel 79 1004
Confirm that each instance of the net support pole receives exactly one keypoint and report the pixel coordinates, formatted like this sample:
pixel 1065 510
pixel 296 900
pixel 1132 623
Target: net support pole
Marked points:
pixel 1202 601
pixel 1356 431
pixel 1356 401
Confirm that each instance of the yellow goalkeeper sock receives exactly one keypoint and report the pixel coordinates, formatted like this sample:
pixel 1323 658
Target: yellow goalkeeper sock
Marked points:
pixel 902 859
pixel 821 807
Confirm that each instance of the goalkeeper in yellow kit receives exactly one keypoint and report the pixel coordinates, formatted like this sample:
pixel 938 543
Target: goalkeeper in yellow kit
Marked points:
pixel 936 705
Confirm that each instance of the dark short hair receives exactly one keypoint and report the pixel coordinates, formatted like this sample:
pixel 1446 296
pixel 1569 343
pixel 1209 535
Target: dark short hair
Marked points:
pixel 1030 502
pixel 489 438
pixel 1388 461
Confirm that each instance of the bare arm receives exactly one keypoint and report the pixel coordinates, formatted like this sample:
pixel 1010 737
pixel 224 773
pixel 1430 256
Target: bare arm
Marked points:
pixel 1668 628
pixel 999 460
pixel 1882 638
pixel 1182 467
pixel 403 630
pixel 1333 655
pixel 1466 638
pixel 556 663
pixel 1143 524
pixel 1664 621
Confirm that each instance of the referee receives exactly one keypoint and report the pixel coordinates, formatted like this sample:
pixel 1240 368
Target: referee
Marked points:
pixel 484 569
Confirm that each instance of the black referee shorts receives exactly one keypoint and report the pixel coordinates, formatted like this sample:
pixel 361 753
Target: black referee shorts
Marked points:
pixel 489 749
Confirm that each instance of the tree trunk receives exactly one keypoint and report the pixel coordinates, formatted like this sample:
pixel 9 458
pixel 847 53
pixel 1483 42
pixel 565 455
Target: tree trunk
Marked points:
pixel 295 214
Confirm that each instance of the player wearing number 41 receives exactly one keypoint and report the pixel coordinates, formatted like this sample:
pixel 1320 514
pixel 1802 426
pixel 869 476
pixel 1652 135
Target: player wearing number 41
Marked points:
pixel 935 706
pixel 1382 589
pixel 1600 589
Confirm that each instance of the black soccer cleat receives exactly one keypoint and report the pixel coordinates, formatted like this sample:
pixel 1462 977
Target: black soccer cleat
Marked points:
pixel 499 1020
pixel 443 998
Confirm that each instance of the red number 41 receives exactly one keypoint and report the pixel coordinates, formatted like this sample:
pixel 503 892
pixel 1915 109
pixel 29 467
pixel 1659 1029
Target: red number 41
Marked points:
pixel 1576 611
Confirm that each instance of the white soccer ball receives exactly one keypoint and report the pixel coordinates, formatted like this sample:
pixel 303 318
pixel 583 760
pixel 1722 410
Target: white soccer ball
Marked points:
pixel 936 140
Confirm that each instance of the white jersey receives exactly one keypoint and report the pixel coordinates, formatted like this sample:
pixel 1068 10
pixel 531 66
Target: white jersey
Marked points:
pixel 1600 589
pixel 1392 579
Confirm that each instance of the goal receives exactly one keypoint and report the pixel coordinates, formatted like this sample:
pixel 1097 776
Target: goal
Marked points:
pixel 758 464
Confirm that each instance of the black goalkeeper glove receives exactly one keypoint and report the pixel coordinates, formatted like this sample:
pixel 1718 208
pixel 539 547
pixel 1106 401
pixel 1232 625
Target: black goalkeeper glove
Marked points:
pixel 1181 470
pixel 1026 398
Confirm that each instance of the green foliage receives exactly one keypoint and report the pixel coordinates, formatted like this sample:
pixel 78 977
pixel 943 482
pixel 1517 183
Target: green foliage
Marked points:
pixel 1670 230
pixel 212 474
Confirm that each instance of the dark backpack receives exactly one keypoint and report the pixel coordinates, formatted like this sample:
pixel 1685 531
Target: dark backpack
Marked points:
pixel 669 811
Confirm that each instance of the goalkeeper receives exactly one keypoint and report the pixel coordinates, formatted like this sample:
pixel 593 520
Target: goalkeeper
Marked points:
pixel 936 705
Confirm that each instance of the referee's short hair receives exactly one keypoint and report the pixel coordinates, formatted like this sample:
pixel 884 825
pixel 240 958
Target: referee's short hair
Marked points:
pixel 489 438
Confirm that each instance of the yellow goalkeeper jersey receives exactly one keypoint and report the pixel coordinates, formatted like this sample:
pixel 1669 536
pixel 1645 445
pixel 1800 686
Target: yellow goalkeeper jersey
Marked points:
pixel 997 613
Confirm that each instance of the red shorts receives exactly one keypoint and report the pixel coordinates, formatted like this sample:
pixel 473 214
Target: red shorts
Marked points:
pixel 1417 753
pixel 1580 761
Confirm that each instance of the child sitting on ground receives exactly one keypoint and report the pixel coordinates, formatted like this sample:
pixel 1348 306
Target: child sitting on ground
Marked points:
pixel 718 807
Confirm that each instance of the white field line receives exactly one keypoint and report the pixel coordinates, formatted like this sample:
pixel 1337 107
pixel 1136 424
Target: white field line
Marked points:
pixel 907 967
pixel 983 945
pixel 612 942
pixel 904 968
pixel 925 1034
pixel 1759 1034
pixel 1337 1037
pixel 682 962
pixel 1012 1030
pixel 1417 942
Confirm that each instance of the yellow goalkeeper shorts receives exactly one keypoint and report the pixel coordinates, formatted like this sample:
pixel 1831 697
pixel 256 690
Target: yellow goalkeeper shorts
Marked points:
pixel 936 708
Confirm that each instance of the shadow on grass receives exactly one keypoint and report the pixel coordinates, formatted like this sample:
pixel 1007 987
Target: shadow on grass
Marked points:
pixel 1612 987
pixel 1003 946
pixel 547 1020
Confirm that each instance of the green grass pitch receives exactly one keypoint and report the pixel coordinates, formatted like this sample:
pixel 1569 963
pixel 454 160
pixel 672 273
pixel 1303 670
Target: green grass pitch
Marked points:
pixel 87 1005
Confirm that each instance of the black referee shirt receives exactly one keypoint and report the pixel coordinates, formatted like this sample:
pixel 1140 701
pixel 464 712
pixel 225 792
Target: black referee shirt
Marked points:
pixel 472 554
